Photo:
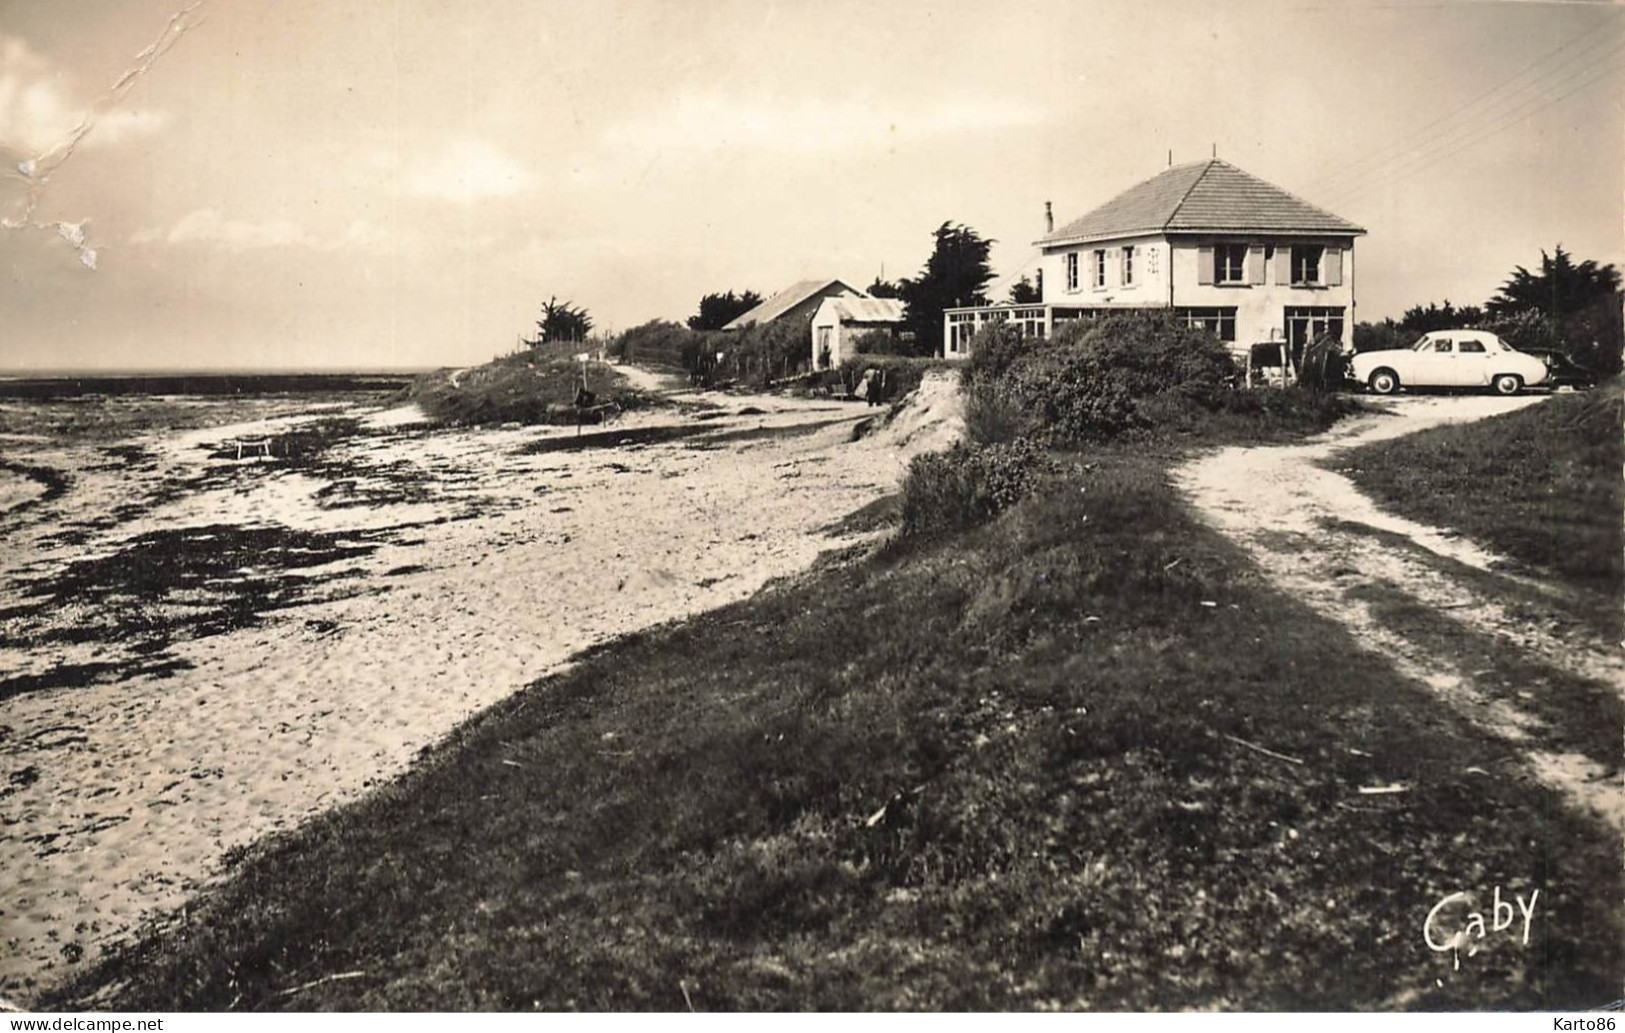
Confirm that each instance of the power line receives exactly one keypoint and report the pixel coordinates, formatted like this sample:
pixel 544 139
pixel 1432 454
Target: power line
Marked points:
pixel 1448 141
pixel 1361 165
pixel 1398 173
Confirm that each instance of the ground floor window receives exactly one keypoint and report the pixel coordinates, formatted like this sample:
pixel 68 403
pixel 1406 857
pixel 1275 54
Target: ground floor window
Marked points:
pixel 1307 324
pixel 1220 322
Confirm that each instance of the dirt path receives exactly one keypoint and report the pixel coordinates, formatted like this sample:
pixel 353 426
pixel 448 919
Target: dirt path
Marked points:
pixel 1318 538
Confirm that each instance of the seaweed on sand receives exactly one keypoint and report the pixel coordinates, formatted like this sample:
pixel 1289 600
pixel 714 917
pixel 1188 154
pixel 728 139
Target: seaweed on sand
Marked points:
pixel 170 585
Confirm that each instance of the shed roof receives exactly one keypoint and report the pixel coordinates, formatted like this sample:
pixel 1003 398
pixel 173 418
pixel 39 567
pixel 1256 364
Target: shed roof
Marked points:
pixel 784 301
pixel 867 310
pixel 1210 196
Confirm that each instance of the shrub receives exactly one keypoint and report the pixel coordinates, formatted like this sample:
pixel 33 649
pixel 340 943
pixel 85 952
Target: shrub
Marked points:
pixel 1384 336
pixel 1092 380
pixel 993 417
pixel 994 350
pixel 1141 373
pixel 882 342
pixel 969 484
pixel 659 342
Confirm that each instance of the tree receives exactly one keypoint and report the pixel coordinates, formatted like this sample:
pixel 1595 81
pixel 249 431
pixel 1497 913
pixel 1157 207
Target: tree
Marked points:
pixel 718 310
pixel 1581 301
pixel 561 321
pixel 1419 320
pixel 884 289
pixel 954 276
pixel 1024 292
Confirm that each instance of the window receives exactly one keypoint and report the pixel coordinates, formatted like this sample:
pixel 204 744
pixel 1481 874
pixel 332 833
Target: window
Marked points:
pixel 1442 345
pixel 1220 322
pixel 1100 268
pixel 1306 264
pixel 961 329
pixel 1230 263
pixel 1071 270
pixel 1128 266
pixel 1475 347
pixel 1307 324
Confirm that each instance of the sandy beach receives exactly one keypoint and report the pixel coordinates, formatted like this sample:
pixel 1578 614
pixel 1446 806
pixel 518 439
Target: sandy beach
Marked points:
pixel 202 648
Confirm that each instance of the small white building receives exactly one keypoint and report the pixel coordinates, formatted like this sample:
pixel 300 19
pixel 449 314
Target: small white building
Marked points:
pixel 1220 247
pixel 838 323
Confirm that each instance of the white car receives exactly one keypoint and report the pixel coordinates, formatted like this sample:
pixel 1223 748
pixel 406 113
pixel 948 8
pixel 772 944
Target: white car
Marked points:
pixel 1449 358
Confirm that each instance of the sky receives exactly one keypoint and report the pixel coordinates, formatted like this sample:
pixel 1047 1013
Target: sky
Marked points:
pixel 402 183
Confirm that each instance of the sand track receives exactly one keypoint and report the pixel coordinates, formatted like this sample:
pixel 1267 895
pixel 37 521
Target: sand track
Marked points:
pixel 406 579
pixel 1306 527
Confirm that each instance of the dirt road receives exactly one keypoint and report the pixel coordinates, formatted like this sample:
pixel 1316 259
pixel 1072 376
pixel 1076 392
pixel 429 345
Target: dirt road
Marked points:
pixel 1318 538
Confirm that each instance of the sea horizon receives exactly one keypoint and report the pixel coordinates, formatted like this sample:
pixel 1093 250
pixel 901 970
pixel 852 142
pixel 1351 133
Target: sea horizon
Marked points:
pixel 45 373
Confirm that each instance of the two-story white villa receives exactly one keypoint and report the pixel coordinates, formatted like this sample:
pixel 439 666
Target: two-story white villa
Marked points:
pixel 1221 248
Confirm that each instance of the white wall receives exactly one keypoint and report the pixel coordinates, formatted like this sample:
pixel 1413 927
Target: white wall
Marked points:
pixel 1259 308
pixel 1150 285
pixel 1259 315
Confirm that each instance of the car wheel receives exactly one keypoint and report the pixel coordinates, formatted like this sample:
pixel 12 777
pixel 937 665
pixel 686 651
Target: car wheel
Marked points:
pixel 1507 384
pixel 1384 382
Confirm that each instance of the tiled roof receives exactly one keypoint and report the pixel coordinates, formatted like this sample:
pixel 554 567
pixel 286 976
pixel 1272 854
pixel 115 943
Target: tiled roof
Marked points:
pixel 784 301
pixel 869 310
pixel 1206 196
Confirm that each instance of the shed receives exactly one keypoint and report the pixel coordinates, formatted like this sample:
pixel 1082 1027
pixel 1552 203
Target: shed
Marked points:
pixel 838 323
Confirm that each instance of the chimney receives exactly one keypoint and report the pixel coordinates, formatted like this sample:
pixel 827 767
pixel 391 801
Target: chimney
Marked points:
pixel 1049 218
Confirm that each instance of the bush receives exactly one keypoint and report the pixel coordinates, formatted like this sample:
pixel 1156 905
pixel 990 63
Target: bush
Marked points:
pixel 969 484
pixel 1142 373
pixel 1093 379
pixel 660 342
pixel 1384 336
pixel 996 348
pixel 882 342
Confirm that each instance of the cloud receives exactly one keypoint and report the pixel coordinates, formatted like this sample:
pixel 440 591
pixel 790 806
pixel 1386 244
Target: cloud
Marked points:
pixel 206 225
pixel 39 110
pixel 209 226
pixel 707 121
pixel 466 169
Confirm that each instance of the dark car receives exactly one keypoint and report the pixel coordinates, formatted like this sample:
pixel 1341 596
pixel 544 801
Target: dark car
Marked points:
pixel 1562 371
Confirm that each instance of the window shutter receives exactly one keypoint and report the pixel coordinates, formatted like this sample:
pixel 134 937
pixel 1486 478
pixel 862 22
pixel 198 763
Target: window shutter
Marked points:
pixel 1255 265
pixel 1331 267
pixel 1283 265
pixel 1204 265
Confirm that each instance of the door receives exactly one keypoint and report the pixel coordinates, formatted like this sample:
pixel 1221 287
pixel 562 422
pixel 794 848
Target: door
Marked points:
pixel 1472 364
pixel 1435 364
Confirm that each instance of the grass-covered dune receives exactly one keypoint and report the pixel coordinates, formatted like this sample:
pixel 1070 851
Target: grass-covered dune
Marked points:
pixel 526 387
pixel 1080 756
pixel 1541 485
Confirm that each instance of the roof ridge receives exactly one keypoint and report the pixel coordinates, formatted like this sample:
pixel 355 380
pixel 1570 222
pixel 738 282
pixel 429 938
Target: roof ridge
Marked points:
pixel 1207 166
